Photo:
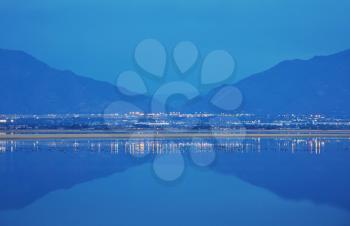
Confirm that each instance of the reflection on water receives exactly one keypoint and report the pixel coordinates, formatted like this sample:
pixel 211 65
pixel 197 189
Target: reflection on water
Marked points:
pixel 159 146
pixel 312 170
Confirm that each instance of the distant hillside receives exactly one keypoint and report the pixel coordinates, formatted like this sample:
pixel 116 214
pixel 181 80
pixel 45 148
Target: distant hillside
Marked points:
pixel 29 86
pixel 318 85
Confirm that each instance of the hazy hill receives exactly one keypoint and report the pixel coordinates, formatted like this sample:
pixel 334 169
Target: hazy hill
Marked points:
pixel 28 86
pixel 317 85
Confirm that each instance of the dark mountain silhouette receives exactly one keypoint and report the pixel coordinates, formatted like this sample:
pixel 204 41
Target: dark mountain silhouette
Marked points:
pixel 29 86
pixel 317 85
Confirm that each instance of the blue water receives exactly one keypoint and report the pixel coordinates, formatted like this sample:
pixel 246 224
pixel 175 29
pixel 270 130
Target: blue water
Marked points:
pixel 203 182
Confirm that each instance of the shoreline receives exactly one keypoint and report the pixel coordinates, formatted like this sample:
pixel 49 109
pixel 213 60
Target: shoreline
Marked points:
pixel 139 134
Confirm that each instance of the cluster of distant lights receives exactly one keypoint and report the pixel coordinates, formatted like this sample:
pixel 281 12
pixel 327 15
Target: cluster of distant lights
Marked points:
pixel 163 118
pixel 7 118
pixel 138 113
pixel 140 147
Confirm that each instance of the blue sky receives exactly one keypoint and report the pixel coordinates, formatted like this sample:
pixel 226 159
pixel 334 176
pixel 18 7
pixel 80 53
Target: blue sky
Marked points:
pixel 96 38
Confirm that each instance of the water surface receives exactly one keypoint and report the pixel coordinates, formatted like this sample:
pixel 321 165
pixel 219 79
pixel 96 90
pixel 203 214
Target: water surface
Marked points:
pixel 251 181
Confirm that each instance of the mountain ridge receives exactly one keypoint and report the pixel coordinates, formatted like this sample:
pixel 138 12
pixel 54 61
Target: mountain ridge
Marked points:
pixel 315 85
pixel 31 86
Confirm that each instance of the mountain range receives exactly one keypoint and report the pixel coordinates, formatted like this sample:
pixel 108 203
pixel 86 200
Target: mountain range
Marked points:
pixel 318 85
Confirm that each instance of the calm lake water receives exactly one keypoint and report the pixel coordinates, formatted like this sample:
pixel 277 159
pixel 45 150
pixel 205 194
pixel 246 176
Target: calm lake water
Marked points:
pixel 251 181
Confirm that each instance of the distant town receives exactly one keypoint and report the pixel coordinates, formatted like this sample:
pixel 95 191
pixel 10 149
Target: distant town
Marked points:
pixel 173 120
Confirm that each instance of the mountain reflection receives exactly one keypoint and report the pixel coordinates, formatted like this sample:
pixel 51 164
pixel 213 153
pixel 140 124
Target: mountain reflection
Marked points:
pixel 315 169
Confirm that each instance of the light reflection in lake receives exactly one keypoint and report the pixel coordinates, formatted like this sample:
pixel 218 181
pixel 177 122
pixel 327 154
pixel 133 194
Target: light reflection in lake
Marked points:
pixel 280 172
pixel 165 146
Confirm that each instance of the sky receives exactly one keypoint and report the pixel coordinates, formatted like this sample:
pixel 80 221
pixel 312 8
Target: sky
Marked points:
pixel 96 38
